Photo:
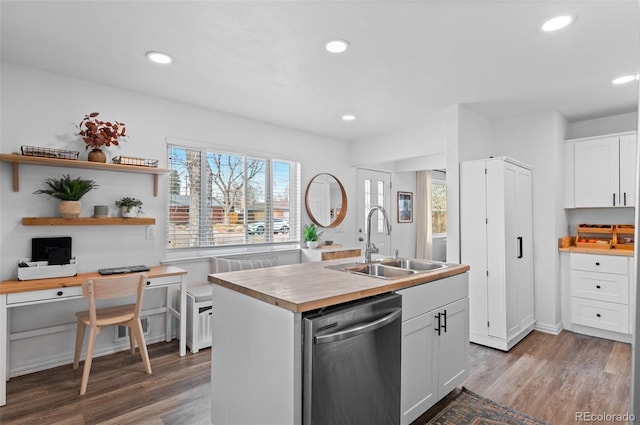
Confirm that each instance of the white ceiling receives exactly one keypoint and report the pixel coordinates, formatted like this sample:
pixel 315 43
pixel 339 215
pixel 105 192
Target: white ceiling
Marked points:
pixel 408 59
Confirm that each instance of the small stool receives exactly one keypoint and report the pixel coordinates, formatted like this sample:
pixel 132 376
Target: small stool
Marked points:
pixel 199 314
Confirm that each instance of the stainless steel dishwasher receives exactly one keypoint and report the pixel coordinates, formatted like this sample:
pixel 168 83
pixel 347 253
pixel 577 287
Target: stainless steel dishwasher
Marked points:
pixel 351 363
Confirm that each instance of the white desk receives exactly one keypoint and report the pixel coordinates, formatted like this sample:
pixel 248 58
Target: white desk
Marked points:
pixel 16 293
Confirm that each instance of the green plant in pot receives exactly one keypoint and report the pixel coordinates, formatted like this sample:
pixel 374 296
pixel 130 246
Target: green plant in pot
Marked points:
pixel 69 191
pixel 129 207
pixel 311 235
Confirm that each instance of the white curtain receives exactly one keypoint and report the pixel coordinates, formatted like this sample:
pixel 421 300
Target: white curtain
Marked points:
pixel 424 236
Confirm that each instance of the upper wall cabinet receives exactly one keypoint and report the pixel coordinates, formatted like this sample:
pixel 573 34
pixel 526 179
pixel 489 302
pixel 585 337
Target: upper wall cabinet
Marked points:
pixel 600 171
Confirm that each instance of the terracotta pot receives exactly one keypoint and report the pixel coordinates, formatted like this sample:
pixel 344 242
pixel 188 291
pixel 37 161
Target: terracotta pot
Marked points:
pixel 96 155
pixel 69 209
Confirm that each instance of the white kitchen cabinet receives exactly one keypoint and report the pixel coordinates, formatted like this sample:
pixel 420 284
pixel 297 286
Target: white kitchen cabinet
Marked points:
pixel 600 171
pixel 496 236
pixel 435 343
pixel 601 291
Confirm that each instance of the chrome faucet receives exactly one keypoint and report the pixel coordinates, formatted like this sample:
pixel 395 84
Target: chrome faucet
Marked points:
pixel 371 248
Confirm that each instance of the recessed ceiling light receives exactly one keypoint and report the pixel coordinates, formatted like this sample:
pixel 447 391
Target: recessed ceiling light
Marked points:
pixel 348 117
pixel 159 57
pixel 624 79
pixel 557 23
pixel 336 46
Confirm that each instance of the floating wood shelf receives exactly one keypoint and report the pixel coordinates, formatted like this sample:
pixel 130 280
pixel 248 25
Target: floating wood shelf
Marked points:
pixel 87 221
pixel 17 159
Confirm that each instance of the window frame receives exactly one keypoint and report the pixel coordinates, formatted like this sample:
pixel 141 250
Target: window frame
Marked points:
pixel 443 183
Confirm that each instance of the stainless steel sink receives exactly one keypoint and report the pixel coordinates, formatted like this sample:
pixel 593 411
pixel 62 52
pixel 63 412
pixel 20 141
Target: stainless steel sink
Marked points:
pixel 389 268
pixel 410 264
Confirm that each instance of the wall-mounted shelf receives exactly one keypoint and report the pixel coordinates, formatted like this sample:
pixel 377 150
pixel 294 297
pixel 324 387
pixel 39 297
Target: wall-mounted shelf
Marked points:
pixel 17 159
pixel 87 221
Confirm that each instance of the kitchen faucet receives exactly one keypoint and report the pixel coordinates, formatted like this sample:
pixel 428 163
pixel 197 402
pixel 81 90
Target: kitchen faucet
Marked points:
pixel 371 248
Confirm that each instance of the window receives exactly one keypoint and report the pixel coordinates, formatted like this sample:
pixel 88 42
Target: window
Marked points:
pixel 225 199
pixel 438 208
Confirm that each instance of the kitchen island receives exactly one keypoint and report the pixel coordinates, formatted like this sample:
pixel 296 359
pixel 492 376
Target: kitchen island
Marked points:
pixel 257 332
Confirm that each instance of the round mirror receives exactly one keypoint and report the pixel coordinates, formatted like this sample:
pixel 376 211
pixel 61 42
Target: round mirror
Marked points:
pixel 326 200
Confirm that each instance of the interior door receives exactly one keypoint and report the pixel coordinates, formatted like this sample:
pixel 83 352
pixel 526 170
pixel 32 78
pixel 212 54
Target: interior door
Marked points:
pixel 374 188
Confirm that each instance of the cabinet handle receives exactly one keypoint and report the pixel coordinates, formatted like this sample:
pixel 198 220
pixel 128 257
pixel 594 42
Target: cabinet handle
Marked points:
pixel 437 329
pixel 597 314
pixel 519 246
pixel 597 263
pixel 625 199
pixel 614 199
pixel 444 327
pixel 60 293
pixel 597 286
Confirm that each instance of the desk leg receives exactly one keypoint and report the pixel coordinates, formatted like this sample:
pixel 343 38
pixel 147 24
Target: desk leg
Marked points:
pixel 4 349
pixel 168 316
pixel 183 317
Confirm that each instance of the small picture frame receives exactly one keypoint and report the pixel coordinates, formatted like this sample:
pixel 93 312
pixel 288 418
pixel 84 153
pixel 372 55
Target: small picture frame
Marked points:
pixel 405 207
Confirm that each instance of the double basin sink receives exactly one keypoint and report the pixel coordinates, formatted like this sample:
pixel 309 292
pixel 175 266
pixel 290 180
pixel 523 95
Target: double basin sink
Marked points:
pixel 391 268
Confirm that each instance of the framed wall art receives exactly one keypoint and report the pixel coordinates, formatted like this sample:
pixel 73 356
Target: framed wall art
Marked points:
pixel 405 207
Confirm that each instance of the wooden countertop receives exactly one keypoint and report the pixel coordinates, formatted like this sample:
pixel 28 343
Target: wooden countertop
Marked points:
pixel 609 251
pixel 309 286
pixel 14 286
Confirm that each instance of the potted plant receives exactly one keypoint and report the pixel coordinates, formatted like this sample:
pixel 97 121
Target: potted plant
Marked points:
pixel 97 133
pixel 69 191
pixel 129 207
pixel 311 235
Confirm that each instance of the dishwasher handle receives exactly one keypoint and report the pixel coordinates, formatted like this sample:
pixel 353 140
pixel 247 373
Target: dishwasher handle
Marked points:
pixel 359 328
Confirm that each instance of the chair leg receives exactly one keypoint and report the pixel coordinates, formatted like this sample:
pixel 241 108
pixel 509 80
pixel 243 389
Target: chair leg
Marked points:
pixel 88 359
pixel 79 340
pixel 132 342
pixel 136 329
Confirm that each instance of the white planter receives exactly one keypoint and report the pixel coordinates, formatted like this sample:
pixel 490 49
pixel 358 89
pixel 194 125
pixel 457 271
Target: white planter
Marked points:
pixel 312 244
pixel 133 212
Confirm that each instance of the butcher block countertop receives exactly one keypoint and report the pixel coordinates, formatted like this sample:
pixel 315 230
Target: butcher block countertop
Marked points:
pixel 309 286
pixel 619 252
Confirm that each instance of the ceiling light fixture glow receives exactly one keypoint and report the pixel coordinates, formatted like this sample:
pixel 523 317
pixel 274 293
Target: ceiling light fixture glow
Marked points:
pixel 624 79
pixel 348 117
pixel 557 23
pixel 336 46
pixel 159 58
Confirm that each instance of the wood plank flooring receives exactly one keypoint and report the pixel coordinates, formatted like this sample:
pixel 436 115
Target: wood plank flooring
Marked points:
pixel 550 377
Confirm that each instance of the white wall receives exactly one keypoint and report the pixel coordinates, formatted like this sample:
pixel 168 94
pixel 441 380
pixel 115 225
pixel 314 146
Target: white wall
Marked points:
pixel 604 125
pixel 39 109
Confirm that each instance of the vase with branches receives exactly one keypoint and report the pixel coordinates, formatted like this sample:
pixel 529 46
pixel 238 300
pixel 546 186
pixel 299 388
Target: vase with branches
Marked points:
pixel 97 133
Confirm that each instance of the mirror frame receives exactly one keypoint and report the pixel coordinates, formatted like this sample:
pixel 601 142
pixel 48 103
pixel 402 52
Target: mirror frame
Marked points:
pixel 343 210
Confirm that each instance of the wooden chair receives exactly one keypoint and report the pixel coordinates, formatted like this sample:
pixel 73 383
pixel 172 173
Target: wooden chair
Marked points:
pixel 126 315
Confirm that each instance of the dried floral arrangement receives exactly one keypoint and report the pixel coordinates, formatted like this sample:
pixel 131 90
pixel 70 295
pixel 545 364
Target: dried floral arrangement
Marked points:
pixel 97 133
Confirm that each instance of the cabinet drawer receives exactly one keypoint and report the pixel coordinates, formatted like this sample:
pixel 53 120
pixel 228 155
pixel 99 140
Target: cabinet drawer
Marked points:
pixel 600 314
pixel 600 286
pixel 429 296
pixel 163 281
pixel 44 295
pixel 600 263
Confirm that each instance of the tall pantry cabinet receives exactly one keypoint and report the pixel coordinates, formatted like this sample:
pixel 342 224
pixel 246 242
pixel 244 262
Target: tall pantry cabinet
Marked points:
pixel 496 231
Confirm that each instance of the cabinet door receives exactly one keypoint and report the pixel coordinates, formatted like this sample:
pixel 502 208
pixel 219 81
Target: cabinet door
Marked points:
pixel 596 168
pixel 522 280
pixel 453 346
pixel 628 146
pixel 418 389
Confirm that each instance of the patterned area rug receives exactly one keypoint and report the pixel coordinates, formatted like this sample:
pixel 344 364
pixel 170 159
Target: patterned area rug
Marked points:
pixel 468 408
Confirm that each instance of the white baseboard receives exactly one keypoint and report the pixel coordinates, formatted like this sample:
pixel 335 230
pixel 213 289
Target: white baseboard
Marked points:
pixel 549 329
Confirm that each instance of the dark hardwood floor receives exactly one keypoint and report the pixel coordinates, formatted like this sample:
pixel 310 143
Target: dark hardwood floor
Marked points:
pixel 550 377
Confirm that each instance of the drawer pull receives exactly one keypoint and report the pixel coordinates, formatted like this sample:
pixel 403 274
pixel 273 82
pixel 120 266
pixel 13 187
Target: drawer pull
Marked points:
pixel 148 282
pixel 59 293
pixel 598 315
pixel 597 263
pixel 597 286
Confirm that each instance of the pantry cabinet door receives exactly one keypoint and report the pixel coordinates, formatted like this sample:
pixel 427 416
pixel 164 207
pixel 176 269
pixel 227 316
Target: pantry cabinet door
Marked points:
pixel 596 167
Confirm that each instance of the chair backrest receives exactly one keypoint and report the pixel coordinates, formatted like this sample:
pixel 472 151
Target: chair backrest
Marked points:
pixel 221 265
pixel 114 287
